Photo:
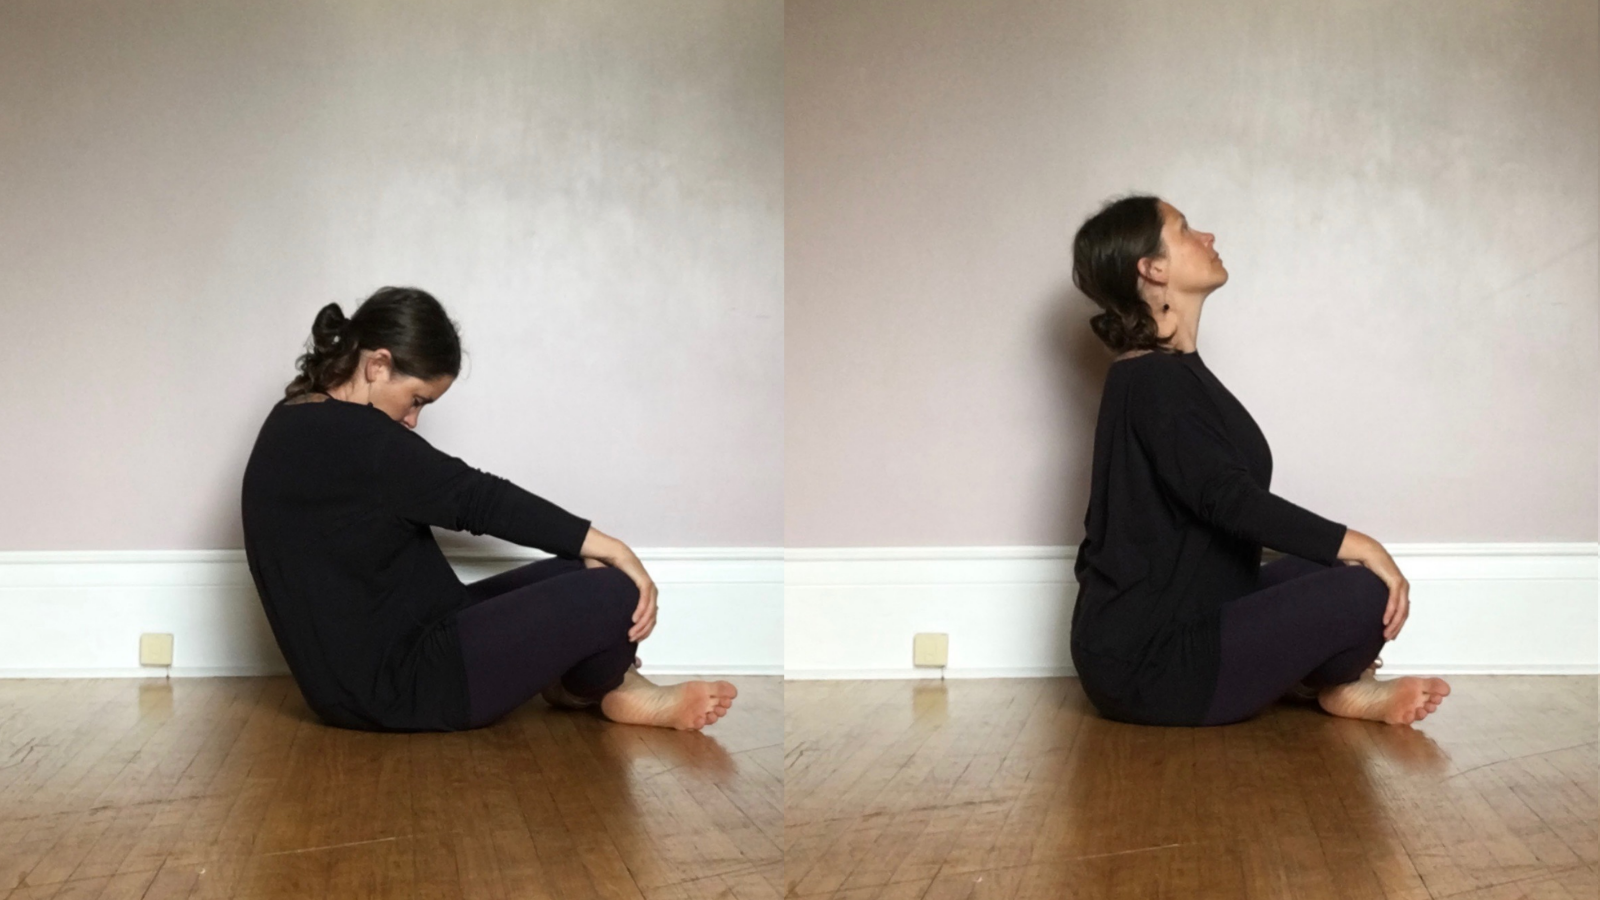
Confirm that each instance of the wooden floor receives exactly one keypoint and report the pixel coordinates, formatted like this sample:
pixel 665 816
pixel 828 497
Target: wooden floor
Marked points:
pixel 228 787
pixel 922 790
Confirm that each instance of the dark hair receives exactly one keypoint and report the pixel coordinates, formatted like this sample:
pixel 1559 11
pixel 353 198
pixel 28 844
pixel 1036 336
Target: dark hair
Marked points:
pixel 408 322
pixel 1105 266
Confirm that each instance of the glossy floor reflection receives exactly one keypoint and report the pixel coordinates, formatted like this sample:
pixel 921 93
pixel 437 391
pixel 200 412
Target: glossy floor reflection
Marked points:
pixel 1014 788
pixel 227 787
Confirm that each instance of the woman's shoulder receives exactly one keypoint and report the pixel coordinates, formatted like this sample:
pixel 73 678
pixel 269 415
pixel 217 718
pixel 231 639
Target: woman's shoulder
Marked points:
pixel 325 420
pixel 1150 367
pixel 1148 357
pixel 342 410
pixel 1158 382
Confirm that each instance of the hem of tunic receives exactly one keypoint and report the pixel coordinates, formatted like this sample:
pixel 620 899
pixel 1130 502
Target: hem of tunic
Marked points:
pixel 1158 702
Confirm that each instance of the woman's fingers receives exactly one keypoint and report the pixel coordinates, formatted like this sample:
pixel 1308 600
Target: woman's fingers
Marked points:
pixel 1405 608
pixel 641 616
pixel 646 605
pixel 644 598
pixel 643 630
pixel 1400 602
pixel 1394 611
pixel 643 609
pixel 644 616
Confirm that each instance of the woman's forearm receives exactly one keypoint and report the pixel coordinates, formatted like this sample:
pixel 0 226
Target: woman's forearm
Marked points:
pixel 1356 546
pixel 599 545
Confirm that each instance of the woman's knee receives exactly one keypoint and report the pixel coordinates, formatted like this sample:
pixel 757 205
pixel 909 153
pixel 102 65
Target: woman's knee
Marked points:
pixel 616 594
pixel 1368 594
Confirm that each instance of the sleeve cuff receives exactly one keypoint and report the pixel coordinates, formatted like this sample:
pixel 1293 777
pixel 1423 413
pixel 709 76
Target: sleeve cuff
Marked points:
pixel 1331 542
pixel 573 533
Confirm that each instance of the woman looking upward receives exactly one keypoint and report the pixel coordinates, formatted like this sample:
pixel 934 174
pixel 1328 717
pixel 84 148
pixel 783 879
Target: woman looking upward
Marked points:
pixel 1177 622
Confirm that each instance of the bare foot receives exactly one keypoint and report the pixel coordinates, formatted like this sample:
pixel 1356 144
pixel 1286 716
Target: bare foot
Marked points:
pixel 689 706
pixel 1398 701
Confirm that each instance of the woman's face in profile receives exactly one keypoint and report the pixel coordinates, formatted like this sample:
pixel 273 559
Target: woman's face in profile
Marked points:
pixel 402 396
pixel 1192 263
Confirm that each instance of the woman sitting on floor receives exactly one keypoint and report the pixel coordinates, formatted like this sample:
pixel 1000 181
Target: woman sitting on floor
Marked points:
pixel 339 499
pixel 1177 622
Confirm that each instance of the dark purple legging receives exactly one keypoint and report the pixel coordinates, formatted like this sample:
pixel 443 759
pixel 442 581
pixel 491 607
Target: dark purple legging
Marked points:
pixel 549 619
pixel 1305 622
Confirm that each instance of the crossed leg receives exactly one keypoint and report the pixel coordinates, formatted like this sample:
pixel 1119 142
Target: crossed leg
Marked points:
pixel 558 627
pixel 1317 626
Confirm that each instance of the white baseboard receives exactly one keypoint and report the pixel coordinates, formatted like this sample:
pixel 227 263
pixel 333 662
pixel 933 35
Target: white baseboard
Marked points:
pixel 79 614
pixel 822 613
pixel 1475 608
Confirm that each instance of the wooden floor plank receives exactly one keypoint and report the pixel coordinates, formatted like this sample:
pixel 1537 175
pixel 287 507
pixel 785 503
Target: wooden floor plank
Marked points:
pixel 1017 789
pixel 229 787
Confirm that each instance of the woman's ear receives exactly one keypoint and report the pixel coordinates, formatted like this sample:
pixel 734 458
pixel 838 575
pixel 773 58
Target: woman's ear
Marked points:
pixel 1152 268
pixel 380 365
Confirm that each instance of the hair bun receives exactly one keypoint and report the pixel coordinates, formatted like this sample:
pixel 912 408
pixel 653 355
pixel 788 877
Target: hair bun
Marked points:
pixel 329 327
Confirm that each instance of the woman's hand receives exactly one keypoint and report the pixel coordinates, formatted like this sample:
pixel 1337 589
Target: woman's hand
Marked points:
pixel 604 549
pixel 1359 549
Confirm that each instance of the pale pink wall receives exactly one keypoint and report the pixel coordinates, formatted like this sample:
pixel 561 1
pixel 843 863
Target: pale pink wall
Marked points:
pixel 593 189
pixel 1407 196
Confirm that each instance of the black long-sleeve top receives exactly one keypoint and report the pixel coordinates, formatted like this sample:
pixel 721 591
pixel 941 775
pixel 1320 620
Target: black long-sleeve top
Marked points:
pixel 337 503
pixel 1179 509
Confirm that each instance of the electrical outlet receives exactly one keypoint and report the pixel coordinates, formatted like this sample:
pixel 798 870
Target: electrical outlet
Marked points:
pixel 155 649
pixel 930 649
